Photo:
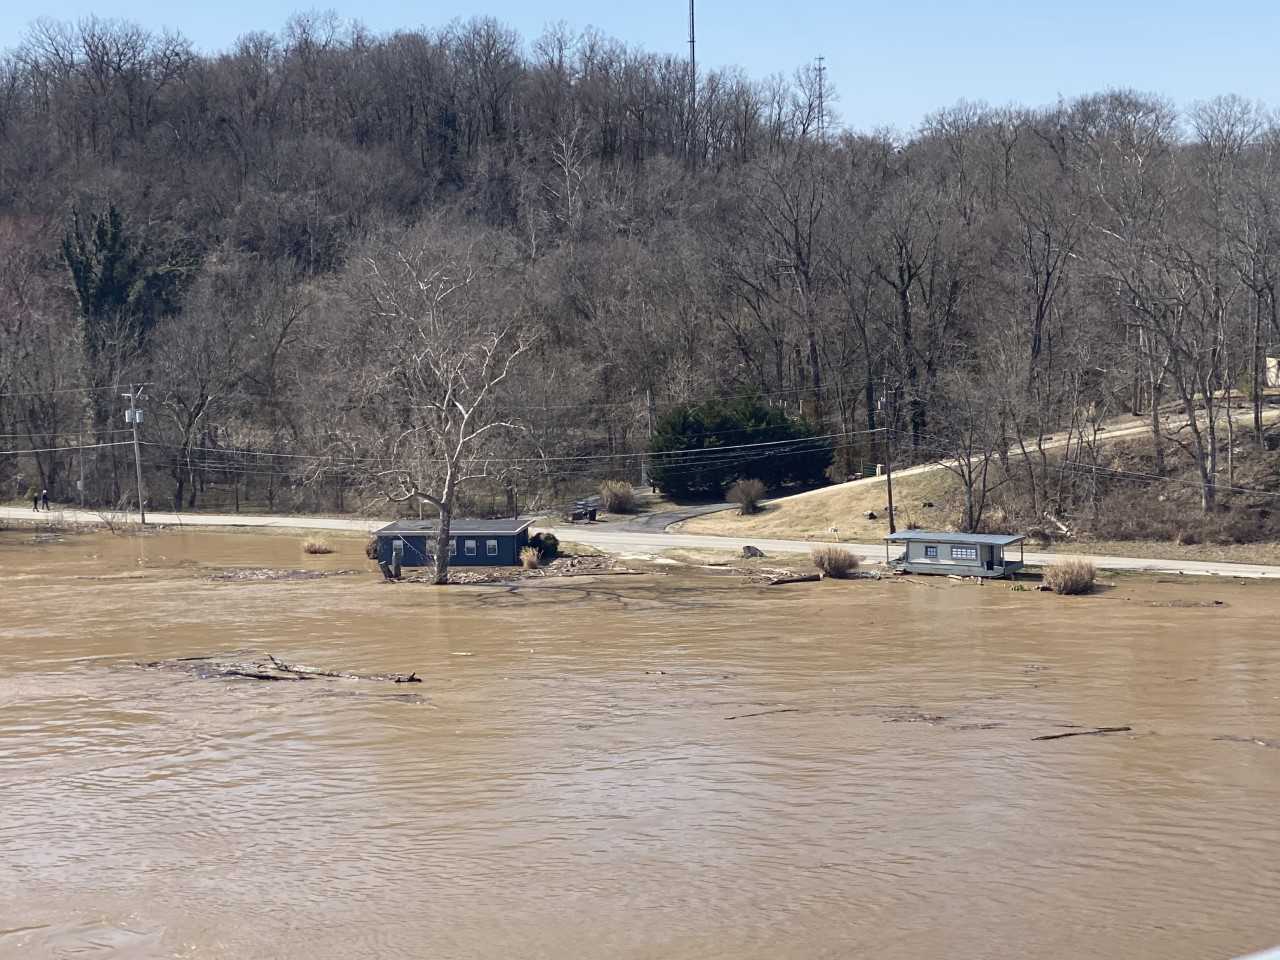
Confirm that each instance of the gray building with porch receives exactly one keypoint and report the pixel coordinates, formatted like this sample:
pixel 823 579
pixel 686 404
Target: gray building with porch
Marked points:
pixel 474 543
pixel 960 554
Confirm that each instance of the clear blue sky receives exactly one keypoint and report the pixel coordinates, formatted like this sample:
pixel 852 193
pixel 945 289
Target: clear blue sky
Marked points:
pixel 891 62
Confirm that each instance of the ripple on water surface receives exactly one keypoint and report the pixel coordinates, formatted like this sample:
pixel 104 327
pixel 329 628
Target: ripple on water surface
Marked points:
pixel 649 767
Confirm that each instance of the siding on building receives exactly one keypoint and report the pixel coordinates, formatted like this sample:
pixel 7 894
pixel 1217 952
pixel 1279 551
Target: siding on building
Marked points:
pixel 418 549
pixel 953 555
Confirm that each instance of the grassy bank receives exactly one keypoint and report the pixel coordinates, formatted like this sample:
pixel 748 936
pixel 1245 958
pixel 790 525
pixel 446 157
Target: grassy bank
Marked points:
pixel 839 513
pixel 1157 519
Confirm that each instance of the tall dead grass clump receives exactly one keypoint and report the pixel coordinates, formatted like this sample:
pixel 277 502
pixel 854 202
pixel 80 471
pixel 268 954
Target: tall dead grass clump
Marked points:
pixel 530 558
pixel 834 562
pixel 316 545
pixel 1070 577
pixel 747 494
pixel 618 496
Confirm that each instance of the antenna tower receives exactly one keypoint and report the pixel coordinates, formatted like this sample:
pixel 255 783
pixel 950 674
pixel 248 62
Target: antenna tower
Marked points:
pixel 822 103
pixel 693 60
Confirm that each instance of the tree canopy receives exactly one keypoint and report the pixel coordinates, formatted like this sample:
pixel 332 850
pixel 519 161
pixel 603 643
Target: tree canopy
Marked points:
pixel 196 221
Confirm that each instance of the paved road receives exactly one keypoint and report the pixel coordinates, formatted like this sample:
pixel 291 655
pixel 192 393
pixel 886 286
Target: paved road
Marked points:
pixel 658 522
pixel 610 538
pixel 626 542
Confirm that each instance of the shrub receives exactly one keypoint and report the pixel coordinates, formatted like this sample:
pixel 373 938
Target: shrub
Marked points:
pixel 316 545
pixel 371 548
pixel 617 496
pixel 530 559
pixel 747 494
pixel 834 561
pixel 547 545
pixel 1070 576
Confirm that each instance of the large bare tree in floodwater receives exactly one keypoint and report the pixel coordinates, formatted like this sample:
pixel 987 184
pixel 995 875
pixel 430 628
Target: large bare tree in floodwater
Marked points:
pixel 443 349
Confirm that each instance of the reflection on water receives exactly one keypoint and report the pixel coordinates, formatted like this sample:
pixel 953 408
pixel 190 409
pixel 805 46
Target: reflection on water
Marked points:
pixel 626 767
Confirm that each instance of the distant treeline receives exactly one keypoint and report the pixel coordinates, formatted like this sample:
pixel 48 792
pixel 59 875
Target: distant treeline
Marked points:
pixel 198 222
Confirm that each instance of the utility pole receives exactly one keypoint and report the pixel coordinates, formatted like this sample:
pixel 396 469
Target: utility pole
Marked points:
pixel 888 473
pixel 80 487
pixel 133 416
pixel 822 103
pixel 645 479
pixel 888 447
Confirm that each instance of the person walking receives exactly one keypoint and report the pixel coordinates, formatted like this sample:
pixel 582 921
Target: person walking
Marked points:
pixel 44 500
pixel 35 500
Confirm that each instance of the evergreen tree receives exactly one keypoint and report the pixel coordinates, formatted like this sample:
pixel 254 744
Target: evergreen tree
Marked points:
pixel 700 450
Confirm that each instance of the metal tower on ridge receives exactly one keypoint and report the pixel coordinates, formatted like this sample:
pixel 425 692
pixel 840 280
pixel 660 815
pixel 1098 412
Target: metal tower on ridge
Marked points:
pixel 822 103
pixel 693 58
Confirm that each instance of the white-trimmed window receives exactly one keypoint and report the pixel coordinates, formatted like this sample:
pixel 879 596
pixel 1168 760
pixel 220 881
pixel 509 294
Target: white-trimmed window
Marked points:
pixel 491 547
pixel 964 553
pixel 469 547
pixel 453 547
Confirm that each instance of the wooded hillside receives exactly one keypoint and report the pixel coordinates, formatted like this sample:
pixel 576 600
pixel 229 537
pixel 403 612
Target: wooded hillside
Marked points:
pixel 213 225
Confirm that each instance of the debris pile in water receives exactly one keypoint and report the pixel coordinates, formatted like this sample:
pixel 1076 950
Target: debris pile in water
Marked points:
pixel 251 665
pixel 263 574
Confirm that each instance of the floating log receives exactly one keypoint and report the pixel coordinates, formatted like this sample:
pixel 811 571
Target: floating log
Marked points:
pixel 1083 733
pixel 1259 741
pixel 763 713
pixel 249 665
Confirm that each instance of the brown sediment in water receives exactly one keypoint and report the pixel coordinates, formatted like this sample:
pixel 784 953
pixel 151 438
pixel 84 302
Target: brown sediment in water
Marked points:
pixel 678 766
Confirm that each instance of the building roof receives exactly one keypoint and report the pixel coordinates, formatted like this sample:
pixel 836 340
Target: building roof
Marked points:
pixel 936 536
pixel 494 528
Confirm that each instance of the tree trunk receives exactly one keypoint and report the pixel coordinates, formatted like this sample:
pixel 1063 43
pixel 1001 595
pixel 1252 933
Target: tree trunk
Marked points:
pixel 443 534
pixel 1258 378
pixel 1157 446
pixel 815 378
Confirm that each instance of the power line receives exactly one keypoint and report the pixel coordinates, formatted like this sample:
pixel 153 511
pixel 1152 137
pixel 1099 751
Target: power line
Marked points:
pixel 689 451
pixel 60 390
pixel 55 433
pixel 534 405
pixel 83 446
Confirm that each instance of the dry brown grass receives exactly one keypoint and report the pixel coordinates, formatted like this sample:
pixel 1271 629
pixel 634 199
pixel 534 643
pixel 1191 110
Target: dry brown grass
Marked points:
pixel 834 561
pixel 813 515
pixel 1070 576
pixel 530 558
pixel 618 496
pixel 316 545
pixel 1156 550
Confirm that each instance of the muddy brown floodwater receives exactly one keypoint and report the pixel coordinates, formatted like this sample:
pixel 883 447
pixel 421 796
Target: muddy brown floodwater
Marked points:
pixel 630 767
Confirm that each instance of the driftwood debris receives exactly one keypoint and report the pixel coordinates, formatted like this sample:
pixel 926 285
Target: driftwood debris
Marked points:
pixel 248 665
pixel 1083 733
pixel 272 575
pixel 796 578
pixel 763 713
pixel 1258 741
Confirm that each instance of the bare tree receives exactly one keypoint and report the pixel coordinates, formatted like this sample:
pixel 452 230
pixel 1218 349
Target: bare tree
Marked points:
pixel 448 349
pixel 972 441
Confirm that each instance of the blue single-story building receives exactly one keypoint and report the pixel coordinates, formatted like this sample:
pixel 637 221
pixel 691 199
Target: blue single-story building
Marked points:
pixel 962 554
pixel 492 543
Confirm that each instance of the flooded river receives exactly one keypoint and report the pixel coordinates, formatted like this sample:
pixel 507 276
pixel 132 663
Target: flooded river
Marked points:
pixel 627 767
